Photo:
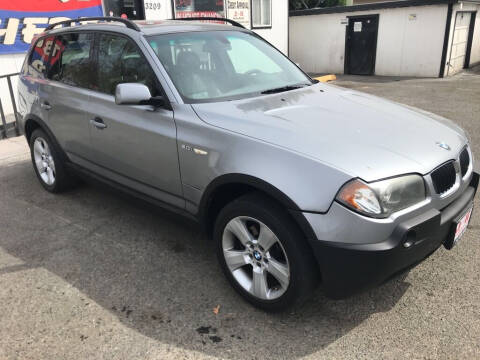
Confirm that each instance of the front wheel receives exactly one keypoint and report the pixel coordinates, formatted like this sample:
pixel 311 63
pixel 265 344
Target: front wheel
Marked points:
pixel 263 254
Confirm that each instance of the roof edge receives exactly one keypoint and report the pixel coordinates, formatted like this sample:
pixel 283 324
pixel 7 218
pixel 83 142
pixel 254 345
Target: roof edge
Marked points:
pixel 373 6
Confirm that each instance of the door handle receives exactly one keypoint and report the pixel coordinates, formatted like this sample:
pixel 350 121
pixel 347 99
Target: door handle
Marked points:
pixel 98 123
pixel 45 105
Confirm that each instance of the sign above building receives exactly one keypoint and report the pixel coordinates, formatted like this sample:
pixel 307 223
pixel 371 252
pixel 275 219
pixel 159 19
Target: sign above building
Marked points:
pixel 239 10
pixel 199 8
pixel 20 21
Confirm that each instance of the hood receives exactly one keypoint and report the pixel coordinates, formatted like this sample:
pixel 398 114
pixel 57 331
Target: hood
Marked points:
pixel 359 134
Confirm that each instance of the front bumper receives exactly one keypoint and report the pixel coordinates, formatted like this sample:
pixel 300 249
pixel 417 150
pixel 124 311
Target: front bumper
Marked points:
pixel 350 268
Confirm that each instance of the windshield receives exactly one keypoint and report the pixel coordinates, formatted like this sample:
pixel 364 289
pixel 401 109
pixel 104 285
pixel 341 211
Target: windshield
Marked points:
pixel 224 65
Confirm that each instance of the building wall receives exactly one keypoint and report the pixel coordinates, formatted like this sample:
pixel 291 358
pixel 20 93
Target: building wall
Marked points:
pixel 9 63
pixel 278 34
pixel 164 12
pixel 475 54
pixel 406 45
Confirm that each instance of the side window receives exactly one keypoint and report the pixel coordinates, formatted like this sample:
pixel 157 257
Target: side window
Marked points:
pixel 38 64
pixel 120 61
pixel 71 60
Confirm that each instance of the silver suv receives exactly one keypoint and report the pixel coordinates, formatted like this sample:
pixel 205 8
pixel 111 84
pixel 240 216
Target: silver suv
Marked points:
pixel 296 181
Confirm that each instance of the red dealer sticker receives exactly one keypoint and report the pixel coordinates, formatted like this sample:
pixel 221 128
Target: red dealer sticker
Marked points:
pixel 462 225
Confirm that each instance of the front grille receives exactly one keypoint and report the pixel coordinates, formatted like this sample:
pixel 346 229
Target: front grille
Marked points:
pixel 464 161
pixel 443 178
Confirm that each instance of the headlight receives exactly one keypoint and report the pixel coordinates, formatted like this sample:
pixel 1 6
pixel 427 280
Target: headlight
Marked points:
pixel 382 198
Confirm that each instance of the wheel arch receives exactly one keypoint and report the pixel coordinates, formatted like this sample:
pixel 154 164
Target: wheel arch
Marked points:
pixel 228 187
pixel 33 122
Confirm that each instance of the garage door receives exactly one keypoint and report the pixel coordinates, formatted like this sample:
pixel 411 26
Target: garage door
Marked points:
pixel 459 42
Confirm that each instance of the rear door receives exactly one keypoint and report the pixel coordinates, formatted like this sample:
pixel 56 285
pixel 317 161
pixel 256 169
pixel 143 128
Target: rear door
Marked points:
pixel 64 96
pixel 361 45
pixel 33 78
pixel 134 145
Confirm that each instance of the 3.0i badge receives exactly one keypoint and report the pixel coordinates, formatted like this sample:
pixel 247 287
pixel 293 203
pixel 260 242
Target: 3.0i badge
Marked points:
pixel 195 150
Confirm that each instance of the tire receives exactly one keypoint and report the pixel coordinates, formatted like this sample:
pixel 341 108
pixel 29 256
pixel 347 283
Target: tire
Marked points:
pixel 48 163
pixel 262 280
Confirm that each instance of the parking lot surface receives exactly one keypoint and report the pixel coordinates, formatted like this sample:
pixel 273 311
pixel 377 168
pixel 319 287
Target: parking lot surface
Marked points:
pixel 92 274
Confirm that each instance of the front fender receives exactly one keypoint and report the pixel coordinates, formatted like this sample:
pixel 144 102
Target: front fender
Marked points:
pixel 309 184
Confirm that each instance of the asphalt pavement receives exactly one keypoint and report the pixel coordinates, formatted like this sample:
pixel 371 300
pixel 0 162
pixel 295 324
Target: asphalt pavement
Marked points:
pixel 92 274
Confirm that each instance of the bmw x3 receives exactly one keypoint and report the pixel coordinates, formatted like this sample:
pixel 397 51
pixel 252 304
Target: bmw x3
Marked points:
pixel 297 182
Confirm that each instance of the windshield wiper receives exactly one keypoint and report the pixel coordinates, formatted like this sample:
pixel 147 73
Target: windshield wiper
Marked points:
pixel 284 88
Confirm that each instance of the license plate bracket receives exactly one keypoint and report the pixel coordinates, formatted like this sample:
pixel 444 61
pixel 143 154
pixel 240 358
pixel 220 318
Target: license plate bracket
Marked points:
pixel 458 228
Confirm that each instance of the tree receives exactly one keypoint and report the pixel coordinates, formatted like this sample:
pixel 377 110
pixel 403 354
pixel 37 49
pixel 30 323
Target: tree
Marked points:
pixel 310 4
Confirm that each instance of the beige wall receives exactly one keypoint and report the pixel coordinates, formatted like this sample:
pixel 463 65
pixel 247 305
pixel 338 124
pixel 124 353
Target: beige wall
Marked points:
pixel 10 63
pixel 475 54
pixel 406 45
pixel 278 34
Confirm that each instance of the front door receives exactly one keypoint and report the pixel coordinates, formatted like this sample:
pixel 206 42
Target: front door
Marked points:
pixel 134 145
pixel 361 45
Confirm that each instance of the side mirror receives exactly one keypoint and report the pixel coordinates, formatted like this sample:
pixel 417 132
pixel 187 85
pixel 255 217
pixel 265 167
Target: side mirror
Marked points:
pixel 135 94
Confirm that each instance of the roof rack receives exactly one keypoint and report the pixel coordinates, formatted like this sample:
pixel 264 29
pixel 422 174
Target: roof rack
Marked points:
pixel 212 18
pixel 128 23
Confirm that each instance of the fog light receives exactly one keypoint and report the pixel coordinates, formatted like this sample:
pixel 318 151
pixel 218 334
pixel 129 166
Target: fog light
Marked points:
pixel 409 239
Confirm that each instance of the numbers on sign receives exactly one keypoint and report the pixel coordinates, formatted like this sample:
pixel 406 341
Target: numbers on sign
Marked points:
pixel 153 6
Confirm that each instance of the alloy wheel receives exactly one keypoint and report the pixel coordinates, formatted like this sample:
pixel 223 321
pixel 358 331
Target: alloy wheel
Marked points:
pixel 44 161
pixel 256 258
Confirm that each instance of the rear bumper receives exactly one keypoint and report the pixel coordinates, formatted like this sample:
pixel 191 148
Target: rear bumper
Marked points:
pixel 350 268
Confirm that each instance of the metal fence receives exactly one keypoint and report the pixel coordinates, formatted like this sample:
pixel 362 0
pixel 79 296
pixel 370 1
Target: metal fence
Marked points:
pixel 4 127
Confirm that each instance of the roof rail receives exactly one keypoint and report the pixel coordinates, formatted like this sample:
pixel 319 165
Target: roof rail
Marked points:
pixel 128 23
pixel 212 18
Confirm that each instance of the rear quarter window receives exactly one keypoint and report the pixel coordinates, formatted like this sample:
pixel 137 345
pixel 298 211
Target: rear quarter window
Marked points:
pixel 38 62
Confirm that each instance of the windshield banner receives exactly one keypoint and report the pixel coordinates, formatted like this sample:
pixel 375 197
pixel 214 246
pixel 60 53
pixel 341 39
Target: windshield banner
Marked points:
pixel 21 20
